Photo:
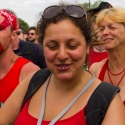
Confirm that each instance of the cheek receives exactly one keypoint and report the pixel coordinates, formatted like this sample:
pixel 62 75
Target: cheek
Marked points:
pixel 79 55
pixel 49 55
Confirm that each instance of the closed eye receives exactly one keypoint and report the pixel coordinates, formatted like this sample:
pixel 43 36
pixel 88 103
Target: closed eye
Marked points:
pixel 52 47
pixel 72 46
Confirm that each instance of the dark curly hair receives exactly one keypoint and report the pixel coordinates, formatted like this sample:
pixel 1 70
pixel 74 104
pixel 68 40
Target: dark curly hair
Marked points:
pixel 82 23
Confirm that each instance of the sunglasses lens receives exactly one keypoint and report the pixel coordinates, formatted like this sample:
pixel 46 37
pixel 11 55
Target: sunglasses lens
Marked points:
pixel 18 33
pixel 75 11
pixel 51 11
pixel 31 34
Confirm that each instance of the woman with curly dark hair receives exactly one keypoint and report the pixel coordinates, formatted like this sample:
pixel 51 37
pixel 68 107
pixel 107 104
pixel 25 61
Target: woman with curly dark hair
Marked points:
pixel 63 98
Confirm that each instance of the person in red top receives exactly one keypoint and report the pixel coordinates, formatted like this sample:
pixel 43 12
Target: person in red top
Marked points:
pixel 13 69
pixel 97 52
pixel 111 23
pixel 62 98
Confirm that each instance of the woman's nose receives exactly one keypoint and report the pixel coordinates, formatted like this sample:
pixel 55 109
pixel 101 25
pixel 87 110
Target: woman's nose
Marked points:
pixel 62 54
pixel 105 31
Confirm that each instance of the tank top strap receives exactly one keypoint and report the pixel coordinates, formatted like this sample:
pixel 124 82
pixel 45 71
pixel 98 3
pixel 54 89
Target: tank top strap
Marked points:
pixel 103 70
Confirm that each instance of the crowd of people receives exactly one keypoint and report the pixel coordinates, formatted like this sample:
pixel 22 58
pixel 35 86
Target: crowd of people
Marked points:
pixel 43 76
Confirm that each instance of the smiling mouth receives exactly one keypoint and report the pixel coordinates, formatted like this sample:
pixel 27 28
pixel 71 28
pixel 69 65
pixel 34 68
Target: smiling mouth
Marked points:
pixel 107 39
pixel 63 67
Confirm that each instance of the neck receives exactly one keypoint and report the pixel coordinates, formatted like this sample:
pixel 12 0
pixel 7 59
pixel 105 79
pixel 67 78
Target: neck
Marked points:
pixel 99 49
pixel 116 64
pixel 71 85
pixel 15 44
pixel 116 58
pixel 6 58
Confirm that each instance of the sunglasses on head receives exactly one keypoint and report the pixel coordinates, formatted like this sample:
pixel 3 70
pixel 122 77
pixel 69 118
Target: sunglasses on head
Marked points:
pixel 31 34
pixel 71 10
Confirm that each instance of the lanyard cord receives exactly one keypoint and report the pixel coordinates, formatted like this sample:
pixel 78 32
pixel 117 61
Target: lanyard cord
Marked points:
pixel 69 105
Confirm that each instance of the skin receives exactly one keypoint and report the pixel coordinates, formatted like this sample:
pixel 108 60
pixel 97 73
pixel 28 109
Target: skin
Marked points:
pixel 32 37
pixel 5 37
pixel 112 34
pixel 67 82
pixel 64 49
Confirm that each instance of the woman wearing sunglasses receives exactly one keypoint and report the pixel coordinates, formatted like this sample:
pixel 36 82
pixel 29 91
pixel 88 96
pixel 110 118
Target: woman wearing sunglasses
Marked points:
pixel 62 99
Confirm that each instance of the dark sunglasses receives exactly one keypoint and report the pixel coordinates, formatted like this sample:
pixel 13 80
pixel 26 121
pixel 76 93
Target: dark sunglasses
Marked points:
pixel 31 34
pixel 19 32
pixel 71 10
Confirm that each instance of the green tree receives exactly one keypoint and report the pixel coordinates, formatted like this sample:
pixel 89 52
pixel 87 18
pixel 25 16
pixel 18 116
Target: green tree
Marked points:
pixel 85 6
pixel 23 24
pixel 88 5
pixel 96 3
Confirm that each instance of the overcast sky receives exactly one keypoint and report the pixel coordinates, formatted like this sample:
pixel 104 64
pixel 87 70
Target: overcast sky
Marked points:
pixel 29 10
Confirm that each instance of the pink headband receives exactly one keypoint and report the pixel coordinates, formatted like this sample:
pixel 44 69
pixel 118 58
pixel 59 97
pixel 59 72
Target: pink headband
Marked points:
pixel 11 18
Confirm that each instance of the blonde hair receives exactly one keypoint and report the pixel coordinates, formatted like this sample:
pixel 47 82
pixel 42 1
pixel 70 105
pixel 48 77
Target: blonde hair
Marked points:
pixel 116 14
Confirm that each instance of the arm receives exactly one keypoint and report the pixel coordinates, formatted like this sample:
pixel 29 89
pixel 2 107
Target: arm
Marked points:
pixel 116 112
pixel 11 108
pixel 28 69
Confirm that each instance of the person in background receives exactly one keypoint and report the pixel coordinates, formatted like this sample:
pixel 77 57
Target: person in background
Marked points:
pixel 32 34
pixel 97 52
pixel 22 34
pixel 13 68
pixel 28 50
pixel 111 23
pixel 65 36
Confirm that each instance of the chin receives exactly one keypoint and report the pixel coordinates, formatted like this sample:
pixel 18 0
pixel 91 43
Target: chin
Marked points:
pixel 64 76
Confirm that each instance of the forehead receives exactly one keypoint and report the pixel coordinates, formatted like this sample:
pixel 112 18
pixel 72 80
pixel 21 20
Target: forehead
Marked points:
pixel 33 31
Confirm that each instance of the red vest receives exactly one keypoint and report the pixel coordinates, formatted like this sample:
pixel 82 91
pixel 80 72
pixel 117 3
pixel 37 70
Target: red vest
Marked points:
pixel 11 80
pixel 26 119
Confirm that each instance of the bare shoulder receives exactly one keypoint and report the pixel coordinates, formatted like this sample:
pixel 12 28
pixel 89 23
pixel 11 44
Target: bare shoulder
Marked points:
pixel 96 67
pixel 28 69
pixel 31 66
pixel 11 108
pixel 118 117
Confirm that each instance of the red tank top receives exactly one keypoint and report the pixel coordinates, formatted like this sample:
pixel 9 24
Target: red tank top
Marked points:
pixel 11 80
pixel 96 57
pixel 26 119
pixel 103 70
pixel 102 73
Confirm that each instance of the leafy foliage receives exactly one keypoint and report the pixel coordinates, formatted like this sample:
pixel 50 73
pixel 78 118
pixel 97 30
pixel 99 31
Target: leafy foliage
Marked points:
pixel 88 5
pixel 23 24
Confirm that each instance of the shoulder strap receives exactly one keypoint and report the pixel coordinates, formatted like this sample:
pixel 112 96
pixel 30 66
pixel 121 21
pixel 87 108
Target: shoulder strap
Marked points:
pixel 28 51
pixel 99 103
pixel 103 70
pixel 35 83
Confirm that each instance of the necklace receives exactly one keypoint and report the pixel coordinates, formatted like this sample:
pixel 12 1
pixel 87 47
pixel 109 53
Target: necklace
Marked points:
pixel 100 50
pixel 11 61
pixel 109 72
